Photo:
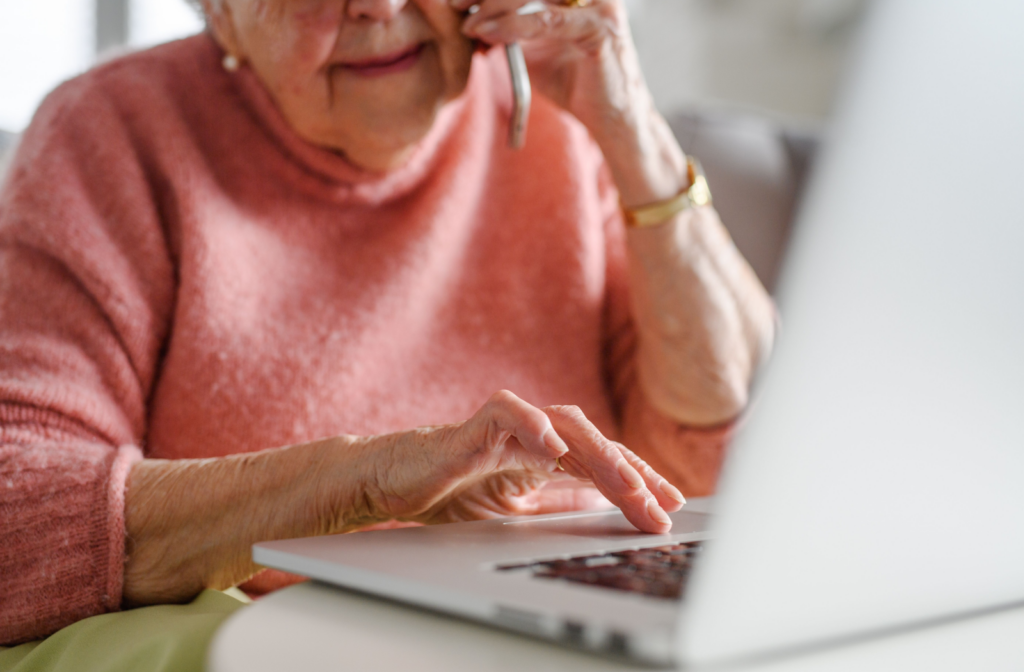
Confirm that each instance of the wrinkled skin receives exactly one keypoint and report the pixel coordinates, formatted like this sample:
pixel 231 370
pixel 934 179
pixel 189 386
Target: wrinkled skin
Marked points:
pixel 300 49
pixel 494 464
pixel 582 58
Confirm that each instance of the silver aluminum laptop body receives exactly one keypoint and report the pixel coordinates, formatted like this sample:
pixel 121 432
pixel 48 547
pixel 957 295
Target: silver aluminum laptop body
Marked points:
pixel 453 568
pixel 879 482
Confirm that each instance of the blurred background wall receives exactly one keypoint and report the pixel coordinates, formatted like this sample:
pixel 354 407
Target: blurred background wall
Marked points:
pixel 43 42
pixel 780 57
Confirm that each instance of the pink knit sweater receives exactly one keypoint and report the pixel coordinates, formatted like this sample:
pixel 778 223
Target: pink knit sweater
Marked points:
pixel 181 276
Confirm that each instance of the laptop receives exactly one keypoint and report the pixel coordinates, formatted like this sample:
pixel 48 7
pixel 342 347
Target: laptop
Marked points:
pixel 878 482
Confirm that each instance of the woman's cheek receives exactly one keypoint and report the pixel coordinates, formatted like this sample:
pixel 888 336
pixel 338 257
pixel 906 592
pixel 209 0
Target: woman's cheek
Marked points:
pixel 309 48
pixel 309 36
pixel 314 13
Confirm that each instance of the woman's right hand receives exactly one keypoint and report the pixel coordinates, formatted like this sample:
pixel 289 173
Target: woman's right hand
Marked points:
pixel 498 462
pixel 191 524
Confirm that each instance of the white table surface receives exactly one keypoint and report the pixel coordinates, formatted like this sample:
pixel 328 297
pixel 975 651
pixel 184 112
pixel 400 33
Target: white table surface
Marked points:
pixel 316 628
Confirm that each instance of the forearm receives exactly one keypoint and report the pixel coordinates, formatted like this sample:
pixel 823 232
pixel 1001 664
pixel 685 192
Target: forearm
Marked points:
pixel 704 321
pixel 646 161
pixel 191 523
pixel 642 153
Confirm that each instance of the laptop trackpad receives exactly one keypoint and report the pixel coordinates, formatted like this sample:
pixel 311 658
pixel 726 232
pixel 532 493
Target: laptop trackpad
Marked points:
pixel 613 525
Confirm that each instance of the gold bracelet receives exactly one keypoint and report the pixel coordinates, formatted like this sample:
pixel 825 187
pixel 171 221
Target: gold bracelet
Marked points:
pixel 693 196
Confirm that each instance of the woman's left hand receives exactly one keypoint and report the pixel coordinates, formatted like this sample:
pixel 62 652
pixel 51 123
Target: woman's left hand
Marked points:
pixel 583 59
pixel 684 272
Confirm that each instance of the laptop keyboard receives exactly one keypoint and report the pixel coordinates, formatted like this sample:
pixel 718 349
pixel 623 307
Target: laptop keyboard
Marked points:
pixel 660 571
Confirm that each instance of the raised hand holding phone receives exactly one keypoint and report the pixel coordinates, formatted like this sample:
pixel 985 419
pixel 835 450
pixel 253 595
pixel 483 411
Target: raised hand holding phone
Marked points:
pixel 582 58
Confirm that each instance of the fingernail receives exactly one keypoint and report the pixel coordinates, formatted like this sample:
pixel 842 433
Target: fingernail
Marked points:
pixel 672 492
pixel 658 513
pixel 630 475
pixel 554 442
pixel 486 27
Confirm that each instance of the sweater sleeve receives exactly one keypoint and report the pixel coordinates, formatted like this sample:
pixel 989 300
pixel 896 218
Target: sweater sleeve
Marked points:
pixel 689 457
pixel 86 289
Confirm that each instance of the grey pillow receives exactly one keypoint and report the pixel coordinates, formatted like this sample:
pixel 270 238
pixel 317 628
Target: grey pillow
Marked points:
pixel 7 142
pixel 756 169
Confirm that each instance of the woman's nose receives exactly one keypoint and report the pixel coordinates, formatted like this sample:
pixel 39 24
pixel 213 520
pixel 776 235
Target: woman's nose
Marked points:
pixel 377 10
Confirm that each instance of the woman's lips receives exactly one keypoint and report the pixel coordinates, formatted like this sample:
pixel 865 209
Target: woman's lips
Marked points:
pixel 398 61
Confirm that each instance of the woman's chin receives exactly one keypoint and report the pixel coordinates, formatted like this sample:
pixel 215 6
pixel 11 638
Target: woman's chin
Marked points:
pixel 382 147
pixel 400 117
pixel 377 161
pixel 382 139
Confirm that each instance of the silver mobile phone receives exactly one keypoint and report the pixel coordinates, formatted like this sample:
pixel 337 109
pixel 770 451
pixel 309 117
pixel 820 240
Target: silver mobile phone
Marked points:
pixel 521 95
pixel 521 91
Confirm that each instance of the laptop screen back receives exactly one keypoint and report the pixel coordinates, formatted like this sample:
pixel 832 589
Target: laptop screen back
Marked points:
pixel 879 480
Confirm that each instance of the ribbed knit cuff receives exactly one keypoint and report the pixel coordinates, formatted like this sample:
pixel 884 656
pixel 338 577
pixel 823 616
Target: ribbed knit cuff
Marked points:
pixel 116 486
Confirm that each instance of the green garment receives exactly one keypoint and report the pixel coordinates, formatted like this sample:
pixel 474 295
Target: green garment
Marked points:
pixel 164 638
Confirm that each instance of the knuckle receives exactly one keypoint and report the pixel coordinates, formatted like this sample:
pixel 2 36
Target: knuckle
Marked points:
pixel 568 411
pixel 615 445
pixel 538 25
pixel 633 458
pixel 607 11
pixel 502 398
pixel 627 453
pixel 475 437
pixel 556 19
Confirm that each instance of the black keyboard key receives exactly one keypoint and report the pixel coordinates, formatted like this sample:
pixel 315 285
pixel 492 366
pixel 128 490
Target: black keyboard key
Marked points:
pixel 660 571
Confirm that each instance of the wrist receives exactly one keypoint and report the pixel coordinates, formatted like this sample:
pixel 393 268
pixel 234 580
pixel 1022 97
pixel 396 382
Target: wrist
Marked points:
pixel 661 212
pixel 389 488
pixel 343 483
pixel 646 161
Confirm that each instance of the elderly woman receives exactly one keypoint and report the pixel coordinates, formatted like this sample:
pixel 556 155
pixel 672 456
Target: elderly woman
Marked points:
pixel 304 229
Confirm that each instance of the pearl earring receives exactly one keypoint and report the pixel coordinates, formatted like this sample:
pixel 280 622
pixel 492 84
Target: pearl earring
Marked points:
pixel 230 62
